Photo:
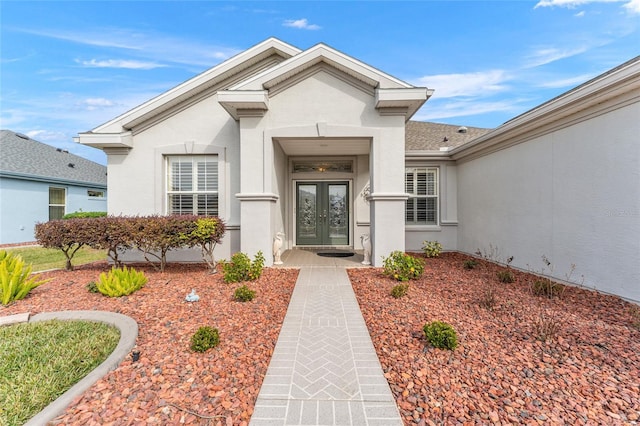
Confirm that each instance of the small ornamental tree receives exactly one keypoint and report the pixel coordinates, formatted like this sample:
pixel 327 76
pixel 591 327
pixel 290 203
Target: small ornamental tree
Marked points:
pixel 208 233
pixel 68 235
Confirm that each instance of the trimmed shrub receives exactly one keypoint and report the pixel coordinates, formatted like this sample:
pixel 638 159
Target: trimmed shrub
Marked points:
pixel 204 339
pixel 505 276
pixel 431 248
pixel 241 268
pixel 399 290
pixel 84 215
pixel 402 267
pixel 441 335
pixel 121 282
pixel 244 294
pixel 15 280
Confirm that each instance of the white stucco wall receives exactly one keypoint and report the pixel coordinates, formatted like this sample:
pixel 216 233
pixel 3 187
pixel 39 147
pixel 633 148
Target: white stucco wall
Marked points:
pixel 137 179
pixel 571 194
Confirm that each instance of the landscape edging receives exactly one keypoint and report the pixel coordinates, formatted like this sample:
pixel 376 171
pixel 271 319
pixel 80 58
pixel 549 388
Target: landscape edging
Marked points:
pixel 128 333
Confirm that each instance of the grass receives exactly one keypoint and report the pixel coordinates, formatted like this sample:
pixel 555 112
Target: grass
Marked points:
pixel 44 259
pixel 40 361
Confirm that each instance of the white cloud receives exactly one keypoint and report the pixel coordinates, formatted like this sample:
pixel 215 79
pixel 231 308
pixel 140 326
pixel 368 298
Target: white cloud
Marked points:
pixel 632 6
pixel 468 108
pixel 546 55
pixel 46 135
pixel 92 104
pixel 120 63
pixel 302 24
pixel 465 85
pixel 158 47
pixel 566 82
pixel 579 14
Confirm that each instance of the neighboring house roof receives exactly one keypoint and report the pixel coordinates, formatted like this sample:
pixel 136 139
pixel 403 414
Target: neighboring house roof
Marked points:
pixel 423 136
pixel 23 157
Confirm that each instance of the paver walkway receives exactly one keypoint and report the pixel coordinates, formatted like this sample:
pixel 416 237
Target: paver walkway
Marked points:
pixel 324 370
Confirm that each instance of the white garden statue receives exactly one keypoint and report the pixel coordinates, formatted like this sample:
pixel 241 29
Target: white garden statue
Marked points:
pixel 366 246
pixel 277 248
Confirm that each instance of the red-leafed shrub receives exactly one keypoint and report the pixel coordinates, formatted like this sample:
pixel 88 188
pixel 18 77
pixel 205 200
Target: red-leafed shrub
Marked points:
pixel 154 236
pixel 68 235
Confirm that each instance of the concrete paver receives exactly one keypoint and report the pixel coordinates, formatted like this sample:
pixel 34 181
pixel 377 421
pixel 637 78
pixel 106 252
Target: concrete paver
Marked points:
pixel 324 370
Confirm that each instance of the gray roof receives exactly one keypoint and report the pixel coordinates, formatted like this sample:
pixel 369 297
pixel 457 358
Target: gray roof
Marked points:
pixel 423 136
pixel 24 157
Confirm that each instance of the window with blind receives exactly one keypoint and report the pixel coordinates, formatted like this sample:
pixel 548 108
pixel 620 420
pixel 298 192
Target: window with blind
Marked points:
pixel 422 186
pixel 192 185
pixel 57 197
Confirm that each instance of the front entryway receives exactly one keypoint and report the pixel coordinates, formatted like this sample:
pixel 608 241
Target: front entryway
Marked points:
pixel 322 213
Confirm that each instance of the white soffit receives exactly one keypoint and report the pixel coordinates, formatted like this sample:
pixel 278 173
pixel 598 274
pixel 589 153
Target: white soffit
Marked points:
pixel 324 146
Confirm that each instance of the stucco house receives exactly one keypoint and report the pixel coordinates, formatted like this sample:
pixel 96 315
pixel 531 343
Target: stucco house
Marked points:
pixel 39 182
pixel 320 146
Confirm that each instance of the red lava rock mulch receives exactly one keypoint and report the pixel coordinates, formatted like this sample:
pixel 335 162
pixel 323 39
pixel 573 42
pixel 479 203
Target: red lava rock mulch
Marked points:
pixel 223 382
pixel 501 372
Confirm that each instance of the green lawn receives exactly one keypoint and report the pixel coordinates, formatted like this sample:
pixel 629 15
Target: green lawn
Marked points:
pixel 44 259
pixel 40 361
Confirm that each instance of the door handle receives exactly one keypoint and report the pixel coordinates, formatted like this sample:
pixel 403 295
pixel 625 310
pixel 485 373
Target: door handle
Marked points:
pixel 324 215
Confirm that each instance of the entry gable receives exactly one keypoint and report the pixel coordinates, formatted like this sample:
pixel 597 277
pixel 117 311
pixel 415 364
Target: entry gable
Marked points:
pixel 267 54
pixel 393 96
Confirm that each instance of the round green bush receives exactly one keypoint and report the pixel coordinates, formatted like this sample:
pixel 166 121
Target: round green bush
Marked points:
pixel 402 267
pixel 441 335
pixel 204 339
pixel 244 294
pixel 400 290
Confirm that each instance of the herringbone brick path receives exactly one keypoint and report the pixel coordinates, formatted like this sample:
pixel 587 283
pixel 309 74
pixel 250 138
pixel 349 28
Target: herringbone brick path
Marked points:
pixel 324 369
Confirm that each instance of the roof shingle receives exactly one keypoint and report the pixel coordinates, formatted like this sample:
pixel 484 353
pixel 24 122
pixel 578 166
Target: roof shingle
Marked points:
pixel 423 136
pixel 22 155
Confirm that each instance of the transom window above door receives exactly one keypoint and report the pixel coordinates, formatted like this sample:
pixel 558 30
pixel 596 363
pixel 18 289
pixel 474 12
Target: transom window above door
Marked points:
pixel 192 185
pixel 306 166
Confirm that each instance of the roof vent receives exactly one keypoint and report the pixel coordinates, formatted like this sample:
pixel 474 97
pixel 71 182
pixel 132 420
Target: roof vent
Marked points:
pixel 59 149
pixel 22 136
pixel 72 165
pixel 462 129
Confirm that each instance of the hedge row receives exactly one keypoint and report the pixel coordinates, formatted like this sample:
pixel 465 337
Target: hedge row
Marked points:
pixel 154 236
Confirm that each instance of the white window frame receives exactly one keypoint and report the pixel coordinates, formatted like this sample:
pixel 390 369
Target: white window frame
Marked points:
pixel 192 185
pixel 63 205
pixel 428 193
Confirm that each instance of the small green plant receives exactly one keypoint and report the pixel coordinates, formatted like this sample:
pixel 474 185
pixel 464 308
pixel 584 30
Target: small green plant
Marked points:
pixel 241 268
pixel 431 248
pixel 120 282
pixel 204 339
pixel 546 287
pixel 441 335
pixel 15 279
pixel 402 267
pixel 505 276
pixel 244 294
pixel 470 264
pixel 92 287
pixel 488 298
pixel 546 326
pixel 399 290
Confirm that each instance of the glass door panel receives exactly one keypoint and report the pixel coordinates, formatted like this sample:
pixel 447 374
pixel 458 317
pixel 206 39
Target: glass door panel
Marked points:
pixel 322 213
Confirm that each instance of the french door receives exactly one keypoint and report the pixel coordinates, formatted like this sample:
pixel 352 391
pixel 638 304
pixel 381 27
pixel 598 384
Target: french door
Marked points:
pixel 322 213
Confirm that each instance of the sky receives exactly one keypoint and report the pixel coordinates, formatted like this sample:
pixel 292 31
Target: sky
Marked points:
pixel 67 67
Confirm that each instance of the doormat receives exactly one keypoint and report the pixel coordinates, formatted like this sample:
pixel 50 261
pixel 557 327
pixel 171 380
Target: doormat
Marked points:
pixel 336 253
